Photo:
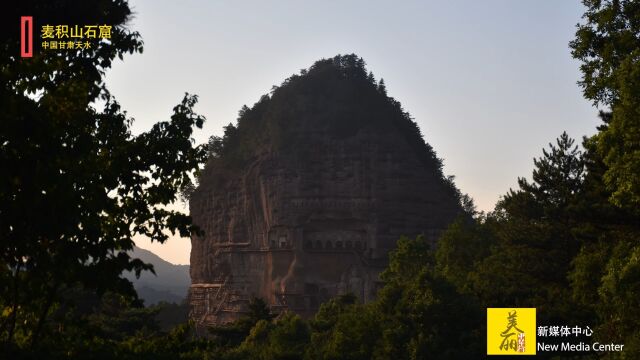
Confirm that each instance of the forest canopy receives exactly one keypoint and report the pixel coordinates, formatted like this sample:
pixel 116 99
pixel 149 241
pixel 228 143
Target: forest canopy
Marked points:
pixel 335 95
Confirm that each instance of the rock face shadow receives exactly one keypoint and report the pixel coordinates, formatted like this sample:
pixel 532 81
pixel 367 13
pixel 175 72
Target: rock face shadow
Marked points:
pixel 312 218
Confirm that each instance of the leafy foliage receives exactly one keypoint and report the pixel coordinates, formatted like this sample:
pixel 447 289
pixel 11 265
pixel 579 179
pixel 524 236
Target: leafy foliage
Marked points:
pixel 608 45
pixel 77 186
pixel 556 244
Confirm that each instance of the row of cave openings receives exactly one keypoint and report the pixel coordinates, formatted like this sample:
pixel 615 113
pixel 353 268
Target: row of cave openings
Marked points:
pixel 321 245
pixel 330 245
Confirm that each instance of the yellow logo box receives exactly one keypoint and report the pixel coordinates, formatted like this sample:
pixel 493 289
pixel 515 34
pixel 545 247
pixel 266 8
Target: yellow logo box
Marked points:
pixel 511 331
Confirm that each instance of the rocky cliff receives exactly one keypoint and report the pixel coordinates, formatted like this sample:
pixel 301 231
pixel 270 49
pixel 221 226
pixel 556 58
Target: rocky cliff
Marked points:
pixel 304 198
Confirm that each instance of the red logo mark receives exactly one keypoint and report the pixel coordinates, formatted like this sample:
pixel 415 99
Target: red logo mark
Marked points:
pixel 26 36
pixel 521 343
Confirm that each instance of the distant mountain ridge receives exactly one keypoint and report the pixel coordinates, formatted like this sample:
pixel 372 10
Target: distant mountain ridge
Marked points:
pixel 170 283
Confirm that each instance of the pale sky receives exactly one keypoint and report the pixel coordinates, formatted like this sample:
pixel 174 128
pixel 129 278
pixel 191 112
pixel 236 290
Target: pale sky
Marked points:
pixel 490 83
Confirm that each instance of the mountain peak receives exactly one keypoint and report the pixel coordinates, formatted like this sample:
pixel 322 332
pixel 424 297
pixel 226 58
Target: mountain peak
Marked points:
pixel 304 198
pixel 334 98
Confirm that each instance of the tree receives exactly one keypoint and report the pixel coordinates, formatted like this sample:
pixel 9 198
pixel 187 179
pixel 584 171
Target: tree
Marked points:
pixel 344 329
pixel 421 313
pixel 286 338
pixel 549 201
pixel 557 179
pixel 232 335
pixel 528 239
pixel 382 88
pixel 608 45
pixel 460 249
pixel 77 186
pixel 604 276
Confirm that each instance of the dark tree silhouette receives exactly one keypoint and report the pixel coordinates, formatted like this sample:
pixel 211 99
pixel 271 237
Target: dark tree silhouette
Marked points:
pixel 76 185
